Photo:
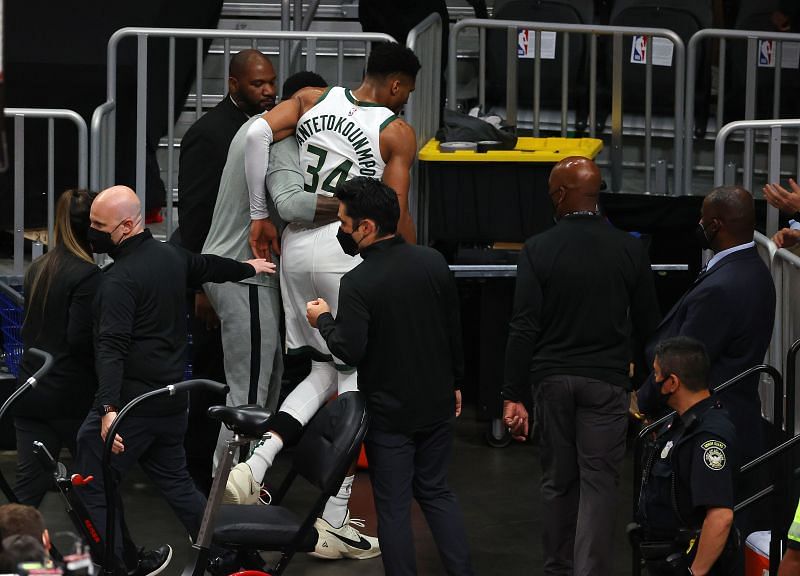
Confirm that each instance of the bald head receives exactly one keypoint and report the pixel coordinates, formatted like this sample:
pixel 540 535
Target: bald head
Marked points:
pixel 117 210
pixel 251 82
pixel 728 217
pixel 574 185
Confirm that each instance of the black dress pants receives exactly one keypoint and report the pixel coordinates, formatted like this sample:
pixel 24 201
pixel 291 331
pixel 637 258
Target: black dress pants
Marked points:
pixel 32 483
pixel 156 443
pixel 403 466
pixel 582 424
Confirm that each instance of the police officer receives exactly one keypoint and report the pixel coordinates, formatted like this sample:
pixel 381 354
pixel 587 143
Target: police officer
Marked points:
pixel 687 495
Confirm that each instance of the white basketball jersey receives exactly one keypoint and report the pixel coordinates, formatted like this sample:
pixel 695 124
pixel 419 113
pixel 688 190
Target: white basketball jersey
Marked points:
pixel 339 137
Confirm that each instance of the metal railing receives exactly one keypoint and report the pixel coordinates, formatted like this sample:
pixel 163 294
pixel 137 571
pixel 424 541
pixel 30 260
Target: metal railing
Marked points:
pixel 423 108
pixel 103 126
pixel 775 128
pixel 753 63
pixel 617 33
pixel 51 115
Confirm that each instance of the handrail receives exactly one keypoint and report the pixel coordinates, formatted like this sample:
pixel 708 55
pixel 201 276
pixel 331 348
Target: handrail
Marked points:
pixel 50 114
pixel 103 118
pixel 691 74
pixel 791 381
pixel 679 59
pixel 774 157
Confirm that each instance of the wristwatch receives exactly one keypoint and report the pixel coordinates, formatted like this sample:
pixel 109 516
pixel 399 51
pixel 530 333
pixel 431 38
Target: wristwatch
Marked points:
pixel 105 409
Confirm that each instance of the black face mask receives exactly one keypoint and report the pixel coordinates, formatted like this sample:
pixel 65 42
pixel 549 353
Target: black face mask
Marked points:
pixel 663 399
pixel 346 241
pixel 702 238
pixel 100 241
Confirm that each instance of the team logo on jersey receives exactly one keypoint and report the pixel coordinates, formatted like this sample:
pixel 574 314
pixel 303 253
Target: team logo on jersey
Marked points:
pixel 352 111
pixel 714 454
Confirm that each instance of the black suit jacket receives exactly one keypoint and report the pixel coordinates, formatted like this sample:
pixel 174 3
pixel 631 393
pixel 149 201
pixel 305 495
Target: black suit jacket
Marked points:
pixel 730 309
pixel 204 150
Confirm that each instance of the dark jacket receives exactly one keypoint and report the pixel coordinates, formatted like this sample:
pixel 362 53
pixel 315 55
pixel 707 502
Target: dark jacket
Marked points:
pixel 398 322
pixel 204 149
pixel 581 287
pixel 62 326
pixel 140 319
pixel 731 310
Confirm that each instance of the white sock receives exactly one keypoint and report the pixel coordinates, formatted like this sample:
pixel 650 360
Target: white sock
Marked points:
pixel 336 509
pixel 263 456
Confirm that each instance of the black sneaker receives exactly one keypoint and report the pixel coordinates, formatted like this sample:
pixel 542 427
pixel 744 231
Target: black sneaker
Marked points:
pixel 153 562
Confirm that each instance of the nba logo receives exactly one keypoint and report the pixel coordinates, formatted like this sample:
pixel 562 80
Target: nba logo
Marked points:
pixel 766 53
pixel 639 50
pixel 523 45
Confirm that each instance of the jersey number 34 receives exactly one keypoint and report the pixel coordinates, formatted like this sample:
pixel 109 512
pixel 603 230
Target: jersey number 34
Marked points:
pixel 337 174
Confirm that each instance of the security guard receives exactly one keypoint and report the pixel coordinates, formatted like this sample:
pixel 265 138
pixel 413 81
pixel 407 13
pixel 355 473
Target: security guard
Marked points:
pixel 686 501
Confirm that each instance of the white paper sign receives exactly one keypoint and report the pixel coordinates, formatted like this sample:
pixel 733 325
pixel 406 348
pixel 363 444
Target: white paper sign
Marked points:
pixel 661 49
pixel 790 54
pixel 526 44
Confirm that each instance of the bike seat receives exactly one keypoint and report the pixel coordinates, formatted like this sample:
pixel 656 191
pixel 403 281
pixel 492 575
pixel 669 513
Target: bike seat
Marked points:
pixel 249 420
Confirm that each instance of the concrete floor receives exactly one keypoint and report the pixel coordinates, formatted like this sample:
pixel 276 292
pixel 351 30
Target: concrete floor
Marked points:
pixel 497 488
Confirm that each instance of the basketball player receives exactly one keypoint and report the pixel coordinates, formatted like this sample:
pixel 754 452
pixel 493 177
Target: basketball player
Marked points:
pixel 340 134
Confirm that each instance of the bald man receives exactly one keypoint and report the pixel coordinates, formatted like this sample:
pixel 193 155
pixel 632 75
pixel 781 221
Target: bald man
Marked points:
pixel 582 288
pixel 140 346
pixel 730 308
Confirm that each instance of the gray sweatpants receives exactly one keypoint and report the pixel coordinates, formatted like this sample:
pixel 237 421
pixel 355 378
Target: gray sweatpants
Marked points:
pixel 249 316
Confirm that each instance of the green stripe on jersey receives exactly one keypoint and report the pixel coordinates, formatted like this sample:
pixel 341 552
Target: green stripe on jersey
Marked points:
pixel 323 95
pixel 388 121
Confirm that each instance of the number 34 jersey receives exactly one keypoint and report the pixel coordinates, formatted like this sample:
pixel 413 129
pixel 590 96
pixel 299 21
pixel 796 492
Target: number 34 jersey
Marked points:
pixel 339 139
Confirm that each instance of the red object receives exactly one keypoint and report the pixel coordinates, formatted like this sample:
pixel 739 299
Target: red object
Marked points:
pixel 250 573
pixel 756 554
pixel 153 216
pixel 78 480
pixel 362 459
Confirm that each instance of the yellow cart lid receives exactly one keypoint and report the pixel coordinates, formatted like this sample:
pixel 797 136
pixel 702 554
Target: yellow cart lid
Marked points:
pixel 527 150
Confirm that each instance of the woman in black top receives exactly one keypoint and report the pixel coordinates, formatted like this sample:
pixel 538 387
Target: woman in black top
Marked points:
pixel 59 290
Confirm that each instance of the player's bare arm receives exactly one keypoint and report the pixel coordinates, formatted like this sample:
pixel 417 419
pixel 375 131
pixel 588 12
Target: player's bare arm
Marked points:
pixel 399 149
pixel 274 125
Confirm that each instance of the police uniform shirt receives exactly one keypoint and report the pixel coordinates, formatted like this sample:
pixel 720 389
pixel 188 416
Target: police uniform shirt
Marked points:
pixel 699 447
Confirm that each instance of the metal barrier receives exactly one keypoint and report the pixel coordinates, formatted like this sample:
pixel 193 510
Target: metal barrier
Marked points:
pixel 617 33
pixel 104 118
pixel 775 128
pixel 786 275
pixel 423 108
pixel 51 115
pixel 754 44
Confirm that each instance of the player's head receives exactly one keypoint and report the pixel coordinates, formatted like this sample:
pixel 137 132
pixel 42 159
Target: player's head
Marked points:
pixel 393 69
pixel 574 185
pixel 251 82
pixel 300 80
pixel 368 211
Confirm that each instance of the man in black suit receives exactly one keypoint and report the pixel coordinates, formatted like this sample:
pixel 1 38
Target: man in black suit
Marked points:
pixel 204 149
pixel 730 308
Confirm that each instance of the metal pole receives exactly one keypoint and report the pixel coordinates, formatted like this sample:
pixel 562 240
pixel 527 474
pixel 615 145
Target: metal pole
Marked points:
pixel 226 64
pixel 774 159
pixel 198 80
pixel 723 45
pixel 648 116
pixel 283 57
pixel 776 94
pixel 616 114
pixel 564 85
pixel 680 97
pixel 537 80
pixel 19 194
pixel 592 85
pixel 141 122
pixel 511 77
pixel 311 54
pixel 481 71
pixel 750 111
pixel 171 128
pixel 51 146
pixel 691 76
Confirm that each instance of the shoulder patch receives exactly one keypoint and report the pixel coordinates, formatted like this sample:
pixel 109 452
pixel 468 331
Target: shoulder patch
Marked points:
pixel 714 454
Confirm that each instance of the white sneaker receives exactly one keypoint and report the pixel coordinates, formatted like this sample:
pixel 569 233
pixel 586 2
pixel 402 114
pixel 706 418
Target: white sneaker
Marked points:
pixel 241 487
pixel 345 542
